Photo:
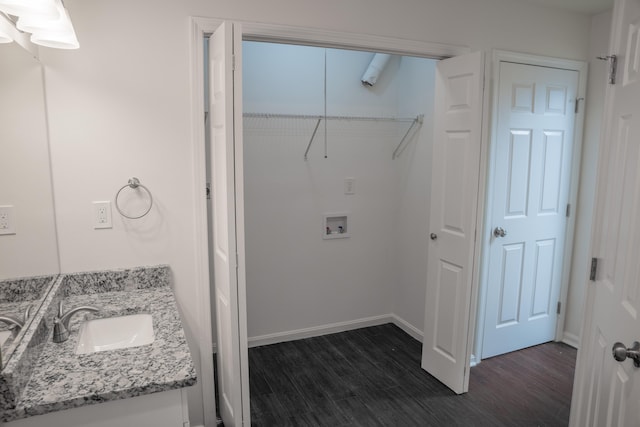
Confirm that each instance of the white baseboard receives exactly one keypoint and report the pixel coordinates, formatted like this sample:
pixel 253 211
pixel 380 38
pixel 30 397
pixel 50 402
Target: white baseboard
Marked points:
pixel 316 331
pixel 332 328
pixel 407 327
pixel 571 339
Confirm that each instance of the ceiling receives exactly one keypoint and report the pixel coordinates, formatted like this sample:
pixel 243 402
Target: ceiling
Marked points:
pixel 583 6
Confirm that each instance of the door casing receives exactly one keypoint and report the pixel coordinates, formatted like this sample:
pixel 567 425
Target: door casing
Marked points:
pixel 536 60
pixel 199 28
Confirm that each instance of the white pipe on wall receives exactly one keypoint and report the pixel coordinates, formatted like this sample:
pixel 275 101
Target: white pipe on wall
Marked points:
pixel 375 68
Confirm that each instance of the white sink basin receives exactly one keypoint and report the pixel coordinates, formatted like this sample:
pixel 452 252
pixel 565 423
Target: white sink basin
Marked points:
pixel 3 336
pixel 113 333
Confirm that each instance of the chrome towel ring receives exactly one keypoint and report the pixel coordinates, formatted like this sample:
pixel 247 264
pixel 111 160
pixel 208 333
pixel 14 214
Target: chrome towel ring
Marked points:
pixel 134 183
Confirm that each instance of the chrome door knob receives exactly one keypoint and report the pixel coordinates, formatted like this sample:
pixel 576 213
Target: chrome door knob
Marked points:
pixel 621 352
pixel 499 232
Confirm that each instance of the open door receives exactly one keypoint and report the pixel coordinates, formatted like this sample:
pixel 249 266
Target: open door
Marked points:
pixel 228 225
pixel 607 386
pixel 454 195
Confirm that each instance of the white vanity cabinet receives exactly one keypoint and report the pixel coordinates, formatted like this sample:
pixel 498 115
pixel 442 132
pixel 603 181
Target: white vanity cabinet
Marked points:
pixel 164 409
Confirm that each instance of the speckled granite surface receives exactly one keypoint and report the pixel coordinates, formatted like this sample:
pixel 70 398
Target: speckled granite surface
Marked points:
pixel 61 379
pixel 16 373
pixel 117 280
pixel 16 295
pixel 24 289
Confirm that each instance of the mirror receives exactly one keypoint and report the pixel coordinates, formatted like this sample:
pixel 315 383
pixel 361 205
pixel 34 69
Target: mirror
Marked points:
pixel 28 246
pixel 20 299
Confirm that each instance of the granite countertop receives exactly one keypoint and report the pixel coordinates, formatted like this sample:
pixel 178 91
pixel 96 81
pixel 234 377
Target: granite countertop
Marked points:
pixel 16 295
pixel 15 310
pixel 62 379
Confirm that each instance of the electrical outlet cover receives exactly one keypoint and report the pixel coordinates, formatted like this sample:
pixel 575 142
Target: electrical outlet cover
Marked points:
pixel 6 220
pixel 102 215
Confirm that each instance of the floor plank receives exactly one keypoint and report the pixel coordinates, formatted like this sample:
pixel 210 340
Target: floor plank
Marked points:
pixel 372 377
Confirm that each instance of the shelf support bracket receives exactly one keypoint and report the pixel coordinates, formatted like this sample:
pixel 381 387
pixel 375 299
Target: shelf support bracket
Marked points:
pixel 313 135
pixel 400 148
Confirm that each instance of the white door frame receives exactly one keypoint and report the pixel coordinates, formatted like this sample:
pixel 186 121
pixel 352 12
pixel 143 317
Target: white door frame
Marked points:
pixel 199 28
pixel 566 64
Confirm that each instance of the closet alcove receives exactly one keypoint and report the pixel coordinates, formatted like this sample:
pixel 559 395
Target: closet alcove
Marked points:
pixel 319 143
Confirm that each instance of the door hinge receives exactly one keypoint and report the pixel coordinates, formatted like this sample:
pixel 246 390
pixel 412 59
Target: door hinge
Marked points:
pixel 208 190
pixel 613 66
pixel 594 269
pixel 236 260
pixel 578 104
pixel 568 212
pixel 558 307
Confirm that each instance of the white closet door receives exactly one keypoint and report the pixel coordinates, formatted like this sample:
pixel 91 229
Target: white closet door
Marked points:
pixel 606 391
pixel 228 224
pixel 454 195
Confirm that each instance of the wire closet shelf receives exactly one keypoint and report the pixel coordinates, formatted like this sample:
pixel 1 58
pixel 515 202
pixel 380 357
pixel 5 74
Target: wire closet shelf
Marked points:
pixel 415 122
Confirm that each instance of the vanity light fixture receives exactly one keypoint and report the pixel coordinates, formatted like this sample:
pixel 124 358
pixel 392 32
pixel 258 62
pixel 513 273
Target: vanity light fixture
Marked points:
pixel 5 31
pixel 47 20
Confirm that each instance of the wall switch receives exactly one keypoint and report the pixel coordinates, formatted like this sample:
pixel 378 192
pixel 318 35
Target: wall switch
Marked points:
pixel 349 186
pixel 6 220
pixel 102 215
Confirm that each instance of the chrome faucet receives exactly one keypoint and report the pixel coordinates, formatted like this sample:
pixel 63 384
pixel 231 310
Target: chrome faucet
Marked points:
pixel 13 322
pixel 16 323
pixel 61 322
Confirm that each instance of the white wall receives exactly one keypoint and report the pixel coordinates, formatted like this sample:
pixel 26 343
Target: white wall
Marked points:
pixel 501 24
pixel 413 191
pixel 267 68
pixel 598 74
pixel 120 106
pixel 25 174
pixel 295 279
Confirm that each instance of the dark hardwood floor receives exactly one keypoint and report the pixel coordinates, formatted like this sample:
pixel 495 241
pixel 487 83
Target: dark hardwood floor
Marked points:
pixel 372 377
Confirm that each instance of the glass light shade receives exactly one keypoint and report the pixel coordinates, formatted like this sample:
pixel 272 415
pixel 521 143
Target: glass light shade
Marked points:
pixel 56 40
pixel 32 23
pixel 28 7
pixel 58 33
pixel 5 31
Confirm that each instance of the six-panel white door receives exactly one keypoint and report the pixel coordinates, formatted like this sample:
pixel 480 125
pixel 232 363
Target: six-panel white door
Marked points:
pixel 228 226
pixel 532 170
pixel 454 196
pixel 607 392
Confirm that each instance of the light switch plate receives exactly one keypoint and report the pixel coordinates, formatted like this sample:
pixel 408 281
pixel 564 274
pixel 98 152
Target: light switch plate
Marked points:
pixel 6 220
pixel 349 186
